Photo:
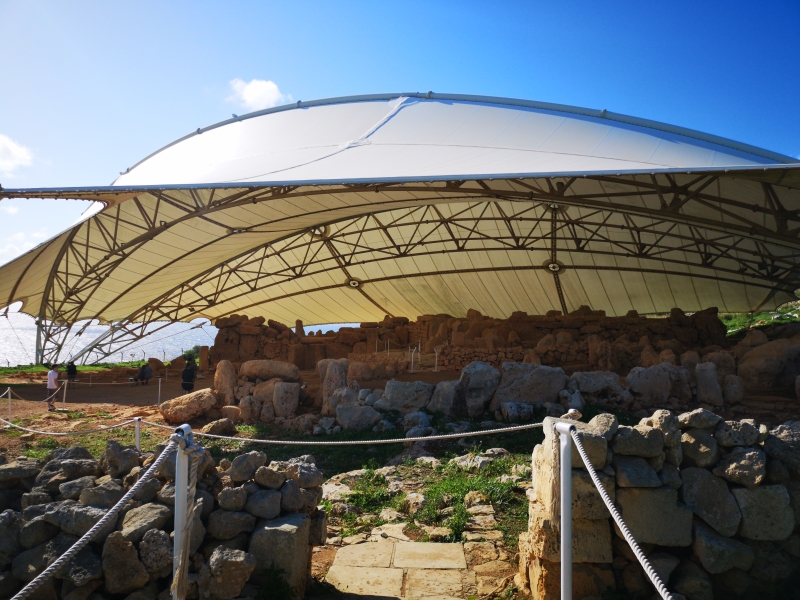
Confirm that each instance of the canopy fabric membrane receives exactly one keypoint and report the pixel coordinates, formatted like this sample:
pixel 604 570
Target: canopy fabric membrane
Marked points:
pixel 350 209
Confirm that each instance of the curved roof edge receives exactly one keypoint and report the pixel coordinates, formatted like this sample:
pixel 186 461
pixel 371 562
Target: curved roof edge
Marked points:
pixel 86 192
pixel 588 112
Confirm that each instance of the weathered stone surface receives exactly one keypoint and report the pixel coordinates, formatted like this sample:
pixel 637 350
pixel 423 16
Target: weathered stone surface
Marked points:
pixel 443 398
pixel 344 396
pixel 222 426
pixel 264 504
pixel 404 397
pixel 699 418
pixel 773 365
pixel 357 418
pixel 82 569
pixel 415 419
pixel 528 383
pixel 719 554
pixel 654 516
pixel 33 533
pixel 691 581
pixel 335 378
pixel 634 471
pixel 639 440
pixel 667 423
pixel 708 388
pixel 318 531
pixel 591 539
pixel 291 499
pixel 586 500
pixel 21 468
pixel 595 382
pixel 74 519
pixel 190 406
pixel 10 526
pixel 282 543
pixel 308 475
pixel 745 466
pixel 733 390
pixel 477 385
pixel 226 381
pixel 156 551
pixel 783 443
pixel 651 386
pixel 514 412
pixel 117 459
pixel 766 513
pixel 708 497
pixel 232 498
pixel 102 496
pixel 124 573
pixel 588 580
pixel 166 495
pixel 605 424
pixel 71 490
pixel 770 564
pixel 269 369
pixel 227 524
pixel 244 466
pixel 286 398
pixel 226 573
pixel 737 433
pixel 139 521
pixel 670 476
pixel 269 478
pixel 29 564
pixel 700 446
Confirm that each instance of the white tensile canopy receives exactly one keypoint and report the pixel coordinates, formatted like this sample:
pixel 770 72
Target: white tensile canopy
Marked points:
pixel 404 204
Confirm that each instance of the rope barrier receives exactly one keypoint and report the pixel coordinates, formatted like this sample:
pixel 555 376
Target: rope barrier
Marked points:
pixel 66 433
pixel 648 568
pixel 53 395
pixel 431 438
pixel 98 527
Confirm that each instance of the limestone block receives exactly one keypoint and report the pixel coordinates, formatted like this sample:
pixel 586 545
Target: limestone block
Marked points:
pixel 225 381
pixel 719 554
pixel 783 443
pixel 708 388
pixel 190 406
pixel 737 433
pixel 691 581
pixel 654 516
pixel 588 581
pixel 639 440
pixel 700 447
pixel 282 543
pixel 404 397
pixel 529 383
pixel 286 398
pixel 634 471
pixel 586 500
pixel 269 369
pixel 766 513
pixel 666 422
pixel 708 497
pixel 699 418
pixel 746 466
pixel 591 539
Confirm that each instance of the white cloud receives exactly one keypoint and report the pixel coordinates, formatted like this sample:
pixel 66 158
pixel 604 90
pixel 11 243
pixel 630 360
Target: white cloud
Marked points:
pixel 19 243
pixel 257 94
pixel 13 155
pixel 9 209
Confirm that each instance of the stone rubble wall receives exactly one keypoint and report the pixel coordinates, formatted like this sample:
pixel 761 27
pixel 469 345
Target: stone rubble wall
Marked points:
pixel 251 515
pixel 714 504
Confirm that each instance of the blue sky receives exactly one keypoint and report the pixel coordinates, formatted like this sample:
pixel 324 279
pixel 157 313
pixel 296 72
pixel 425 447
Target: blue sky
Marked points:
pixel 89 88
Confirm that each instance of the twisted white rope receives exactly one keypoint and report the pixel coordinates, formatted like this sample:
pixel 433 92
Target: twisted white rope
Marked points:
pixel 65 433
pixel 648 568
pixel 99 526
pixel 448 436
pixel 53 395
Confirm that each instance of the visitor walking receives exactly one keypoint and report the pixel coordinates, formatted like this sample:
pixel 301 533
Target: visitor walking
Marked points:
pixel 148 373
pixel 72 371
pixel 52 386
pixel 187 377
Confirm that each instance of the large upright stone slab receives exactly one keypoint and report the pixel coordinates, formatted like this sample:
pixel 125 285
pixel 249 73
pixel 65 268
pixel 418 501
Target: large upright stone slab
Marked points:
pixel 766 513
pixel 405 397
pixel 283 543
pixel 528 383
pixel 708 497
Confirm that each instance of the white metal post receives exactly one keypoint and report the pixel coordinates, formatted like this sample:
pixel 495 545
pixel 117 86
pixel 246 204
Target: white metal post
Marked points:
pixel 159 392
pixel 565 442
pixel 64 397
pixel 436 366
pixel 8 391
pixel 138 425
pixel 181 499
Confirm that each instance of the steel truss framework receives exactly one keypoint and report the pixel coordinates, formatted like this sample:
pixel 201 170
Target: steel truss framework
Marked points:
pixel 726 227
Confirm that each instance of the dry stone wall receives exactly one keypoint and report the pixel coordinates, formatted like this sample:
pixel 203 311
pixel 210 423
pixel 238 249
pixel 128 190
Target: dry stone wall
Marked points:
pixel 714 504
pixel 252 515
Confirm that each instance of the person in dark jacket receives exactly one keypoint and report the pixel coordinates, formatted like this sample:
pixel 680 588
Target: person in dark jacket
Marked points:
pixel 72 371
pixel 187 378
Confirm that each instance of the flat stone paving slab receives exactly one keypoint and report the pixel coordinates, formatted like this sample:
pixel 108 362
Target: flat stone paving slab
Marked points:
pixel 370 554
pixel 374 582
pixel 433 583
pixel 428 555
